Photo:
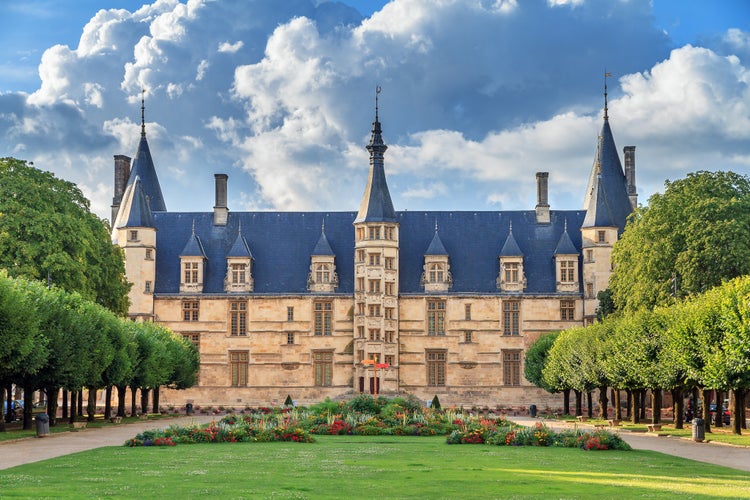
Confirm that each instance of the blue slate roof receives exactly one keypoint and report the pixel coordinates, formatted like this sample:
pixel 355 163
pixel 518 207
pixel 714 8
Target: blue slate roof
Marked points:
pixel 565 246
pixel 510 247
pixel 139 214
pixel 193 248
pixel 240 248
pixel 436 246
pixel 323 247
pixel 281 247
pixel 608 202
pixel 376 203
pixel 143 167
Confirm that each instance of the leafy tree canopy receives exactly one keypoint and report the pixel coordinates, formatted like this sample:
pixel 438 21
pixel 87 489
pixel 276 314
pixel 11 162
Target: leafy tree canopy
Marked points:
pixel 691 238
pixel 48 232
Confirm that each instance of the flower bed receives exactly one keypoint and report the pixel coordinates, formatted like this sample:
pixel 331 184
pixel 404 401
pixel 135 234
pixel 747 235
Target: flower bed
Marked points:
pixel 366 416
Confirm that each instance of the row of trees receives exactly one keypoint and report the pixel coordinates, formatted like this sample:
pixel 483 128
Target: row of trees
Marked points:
pixel 701 343
pixel 51 339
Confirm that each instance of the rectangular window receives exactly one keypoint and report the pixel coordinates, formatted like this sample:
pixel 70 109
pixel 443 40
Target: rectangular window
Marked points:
pixel 389 263
pixel 511 272
pixel 436 368
pixel 149 254
pixel 360 285
pixel 374 259
pixel 361 332
pixel 390 336
pixel 511 310
pixel 191 272
pixel 589 255
pixel 602 236
pixel 360 237
pixel 567 310
pixel 467 311
pixel 133 235
pixel 290 338
pixel 467 336
pixel 511 367
pixel 389 233
pixel 389 359
pixel 389 313
pixel 374 233
pixel 238 318
pixel 567 271
pixel 190 310
pixel 361 308
pixel 375 334
pixel 323 366
pixel 147 287
pixel 238 364
pixel 436 317
pixel 374 310
pixel 590 290
pixel 374 286
pixel 360 254
pixel 194 338
pixel 290 313
pixel 238 273
pixel 360 356
pixel 323 318
pixel 389 288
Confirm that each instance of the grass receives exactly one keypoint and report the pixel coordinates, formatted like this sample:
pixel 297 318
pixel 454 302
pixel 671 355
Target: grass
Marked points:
pixel 14 429
pixel 370 467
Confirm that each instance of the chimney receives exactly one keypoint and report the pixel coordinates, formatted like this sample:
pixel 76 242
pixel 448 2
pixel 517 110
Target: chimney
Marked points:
pixel 221 212
pixel 629 154
pixel 122 174
pixel 542 205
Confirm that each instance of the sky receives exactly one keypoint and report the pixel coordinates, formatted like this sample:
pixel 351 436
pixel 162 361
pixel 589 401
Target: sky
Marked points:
pixel 477 96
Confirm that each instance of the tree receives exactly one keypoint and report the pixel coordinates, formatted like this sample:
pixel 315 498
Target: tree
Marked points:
pixel 48 233
pixel 535 359
pixel 686 241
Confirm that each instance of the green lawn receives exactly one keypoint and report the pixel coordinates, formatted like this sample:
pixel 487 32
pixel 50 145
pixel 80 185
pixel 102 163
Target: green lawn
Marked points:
pixel 369 467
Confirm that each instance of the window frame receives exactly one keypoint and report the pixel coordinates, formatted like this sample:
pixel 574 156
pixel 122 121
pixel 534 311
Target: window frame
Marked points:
pixel 436 317
pixel 323 318
pixel 512 317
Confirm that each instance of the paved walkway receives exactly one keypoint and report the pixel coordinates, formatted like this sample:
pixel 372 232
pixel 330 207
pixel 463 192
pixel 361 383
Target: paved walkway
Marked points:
pixel 34 449
pixel 736 457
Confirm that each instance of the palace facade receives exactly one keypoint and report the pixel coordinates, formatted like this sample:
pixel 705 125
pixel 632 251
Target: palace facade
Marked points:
pixel 305 303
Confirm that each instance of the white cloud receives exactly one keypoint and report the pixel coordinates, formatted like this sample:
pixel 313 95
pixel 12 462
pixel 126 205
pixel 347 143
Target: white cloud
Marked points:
pixel 231 47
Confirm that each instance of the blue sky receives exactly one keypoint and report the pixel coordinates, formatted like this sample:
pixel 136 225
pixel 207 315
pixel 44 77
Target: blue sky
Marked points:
pixel 477 95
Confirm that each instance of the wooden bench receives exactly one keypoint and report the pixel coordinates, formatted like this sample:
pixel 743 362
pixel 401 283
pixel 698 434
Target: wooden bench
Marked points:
pixel 601 426
pixel 79 425
pixel 115 420
pixel 613 423
pixel 653 427
pixel 581 418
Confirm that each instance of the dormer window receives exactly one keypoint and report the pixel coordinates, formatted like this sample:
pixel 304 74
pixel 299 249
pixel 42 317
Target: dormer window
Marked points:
pixel 239 277
pixel 192 275
pixel 239 273
pixel 322 276
pixel 567 273
pixel 436 276
pixel 512 277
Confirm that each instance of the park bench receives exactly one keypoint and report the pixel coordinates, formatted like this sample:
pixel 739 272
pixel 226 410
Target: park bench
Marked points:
pixel 115 420
pixel 653 427
pixel 613 423
pixel 79 425
pixel 582 418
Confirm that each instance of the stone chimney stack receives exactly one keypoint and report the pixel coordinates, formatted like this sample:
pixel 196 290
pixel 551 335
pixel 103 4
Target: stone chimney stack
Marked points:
pixel 629 154
pixel 221 212
pixel 542 204
pixel 122 174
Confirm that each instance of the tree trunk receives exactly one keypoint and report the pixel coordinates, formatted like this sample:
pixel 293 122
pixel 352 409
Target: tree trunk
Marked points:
pixel 73 400
pixel 635 414
pixel 91 405
pixel 133 406
pixel 603 402
pixel 719 413
pixel 52 394
pixel 566 402
pixel 629 402
pixel 121 400
pixel 642 403
pixel 589 405
pixel 579 395
pixel 28 406
pixel 677 408
pixel 2 398
pixel 616 402
pixel 107 402
pixel 144 401
pixel 64 404
pixel 738 409
pixel 743 405
pixel 80 403
pixel 8 400
pixel 155 401
pixel 705 411
pixel 655 406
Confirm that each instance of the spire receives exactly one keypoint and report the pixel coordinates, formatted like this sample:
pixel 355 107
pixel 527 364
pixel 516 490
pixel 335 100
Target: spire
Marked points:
pixel 565 245
pixel 194 247
pixel 606 201
pixel 322 247
pixel 376 203
pixel 240 248
pixel 143 167
pixel 510 247
pixel 436 245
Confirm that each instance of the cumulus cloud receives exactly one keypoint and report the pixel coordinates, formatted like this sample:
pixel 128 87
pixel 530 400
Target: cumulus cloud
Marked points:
pixel 477 96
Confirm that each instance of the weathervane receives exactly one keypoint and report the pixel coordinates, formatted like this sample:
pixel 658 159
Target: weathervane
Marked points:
pixel 143 113
pixel 606 74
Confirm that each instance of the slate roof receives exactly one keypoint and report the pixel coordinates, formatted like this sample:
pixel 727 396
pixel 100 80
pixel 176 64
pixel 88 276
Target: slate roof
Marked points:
pixel 376 203
pixel 282 243
pixel 607 202
pixel 143 167
pixel 193 247
pixel 436 246
pixel 240 248
pixel 565 246
pixel 136 211
pixel 323 247
pixel 510 247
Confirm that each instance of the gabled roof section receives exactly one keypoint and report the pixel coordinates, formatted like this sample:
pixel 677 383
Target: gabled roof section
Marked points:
pixel 194 247
pixel 139 212
pixel 510 247
pixel 240 248
pixel 565 245
pixel 323 247
pixel 376 203
pixel 143 167
pixel 436 246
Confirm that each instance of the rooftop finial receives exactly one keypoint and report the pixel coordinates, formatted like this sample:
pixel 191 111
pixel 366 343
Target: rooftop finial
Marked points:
pixel 565 228
pixel 377 91
pixel 510 227
pixel 193 226
pixel 436 225
pixel 323 226
pixel 143 113
pixel 606 74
